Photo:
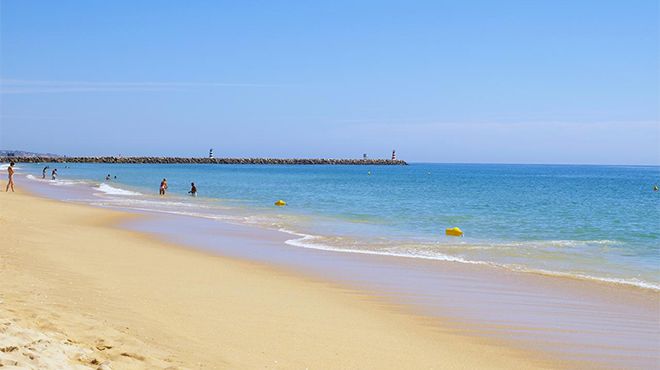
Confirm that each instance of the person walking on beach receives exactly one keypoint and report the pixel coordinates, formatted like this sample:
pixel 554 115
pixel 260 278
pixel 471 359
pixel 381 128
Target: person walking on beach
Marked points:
pixel 163 186
pixel 10 171
pixel 43 173
pixel 53 175
pixel 193 190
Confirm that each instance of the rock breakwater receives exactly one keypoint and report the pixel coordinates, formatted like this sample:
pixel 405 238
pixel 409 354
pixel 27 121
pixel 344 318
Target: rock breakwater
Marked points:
pixel 185 160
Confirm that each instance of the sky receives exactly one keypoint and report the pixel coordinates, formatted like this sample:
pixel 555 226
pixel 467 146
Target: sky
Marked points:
pixel 440 81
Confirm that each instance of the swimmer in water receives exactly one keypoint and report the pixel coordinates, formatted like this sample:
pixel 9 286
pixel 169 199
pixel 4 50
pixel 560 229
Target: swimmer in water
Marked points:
pixel 163 186
pixel 53 175
pixel 193 190
pixel 43 173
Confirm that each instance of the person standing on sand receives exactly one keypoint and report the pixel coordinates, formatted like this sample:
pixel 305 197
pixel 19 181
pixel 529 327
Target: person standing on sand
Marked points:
pixel 10 184
pixel 163 186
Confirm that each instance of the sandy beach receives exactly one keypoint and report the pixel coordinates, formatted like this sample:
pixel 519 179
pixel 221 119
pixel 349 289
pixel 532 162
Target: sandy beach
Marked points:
pixel 77 291
pixel 330 185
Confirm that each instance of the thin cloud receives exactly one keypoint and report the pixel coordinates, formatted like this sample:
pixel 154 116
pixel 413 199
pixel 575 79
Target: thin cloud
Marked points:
pixel 425 124
pixel 28 116
pixel 12 86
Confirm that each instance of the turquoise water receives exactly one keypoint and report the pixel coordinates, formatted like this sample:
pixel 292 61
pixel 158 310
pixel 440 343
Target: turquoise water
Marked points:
pixel 597 222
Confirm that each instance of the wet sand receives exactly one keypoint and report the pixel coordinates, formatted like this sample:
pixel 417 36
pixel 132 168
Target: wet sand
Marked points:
pixel 587 323
pixel 78 291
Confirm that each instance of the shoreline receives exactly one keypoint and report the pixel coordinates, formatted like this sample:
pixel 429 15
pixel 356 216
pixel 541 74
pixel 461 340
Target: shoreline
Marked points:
pixel 142 303
pixel 302 239
pixel 296 241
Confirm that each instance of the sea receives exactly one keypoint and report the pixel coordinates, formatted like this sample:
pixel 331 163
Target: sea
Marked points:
pixel 580 221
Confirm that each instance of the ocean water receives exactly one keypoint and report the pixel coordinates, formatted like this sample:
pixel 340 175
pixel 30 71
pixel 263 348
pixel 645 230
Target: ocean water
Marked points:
pixel 587 222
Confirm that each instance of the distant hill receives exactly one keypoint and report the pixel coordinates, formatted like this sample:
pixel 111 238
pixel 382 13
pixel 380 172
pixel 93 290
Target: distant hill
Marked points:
pixel 22 153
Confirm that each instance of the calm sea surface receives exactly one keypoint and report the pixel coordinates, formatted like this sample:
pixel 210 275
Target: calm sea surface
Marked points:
pixel 594 222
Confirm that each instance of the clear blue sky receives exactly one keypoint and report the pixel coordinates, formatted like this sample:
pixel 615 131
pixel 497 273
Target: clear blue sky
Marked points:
pixel 440 81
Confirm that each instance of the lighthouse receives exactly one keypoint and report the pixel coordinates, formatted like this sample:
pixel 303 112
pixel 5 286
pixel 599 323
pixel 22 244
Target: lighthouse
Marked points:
pixel 211 153
pixel 394 155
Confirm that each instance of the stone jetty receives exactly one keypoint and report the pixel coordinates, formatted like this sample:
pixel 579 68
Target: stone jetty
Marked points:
pixel 184 160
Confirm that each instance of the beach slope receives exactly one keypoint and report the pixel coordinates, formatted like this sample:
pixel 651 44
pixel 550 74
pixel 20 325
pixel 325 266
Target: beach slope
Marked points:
pixel 78 292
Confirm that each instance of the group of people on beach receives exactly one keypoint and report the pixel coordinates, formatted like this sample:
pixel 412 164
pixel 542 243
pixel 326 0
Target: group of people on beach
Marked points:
pixel 11 171
pixel 53 174
pixel 163 188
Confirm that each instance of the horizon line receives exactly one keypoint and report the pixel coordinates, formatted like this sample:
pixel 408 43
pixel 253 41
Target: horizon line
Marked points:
pixel 346 158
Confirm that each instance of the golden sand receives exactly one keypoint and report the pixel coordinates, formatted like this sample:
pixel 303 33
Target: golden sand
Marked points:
pixel 77 292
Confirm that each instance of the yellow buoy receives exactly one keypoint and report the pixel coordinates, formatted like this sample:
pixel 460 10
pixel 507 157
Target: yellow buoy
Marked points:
pixel 454 231
pixel 280 203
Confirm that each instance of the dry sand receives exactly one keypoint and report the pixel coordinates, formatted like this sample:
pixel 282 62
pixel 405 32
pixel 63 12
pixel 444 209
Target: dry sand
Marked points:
pixel 77 292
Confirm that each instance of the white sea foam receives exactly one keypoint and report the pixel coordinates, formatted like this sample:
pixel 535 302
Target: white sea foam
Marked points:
pixel 65 182
pixel 144 206
pixel 577 243
pixel 107 189
pixel 633 282
pixel 4 166
pixel 308 241
pixel 57 182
